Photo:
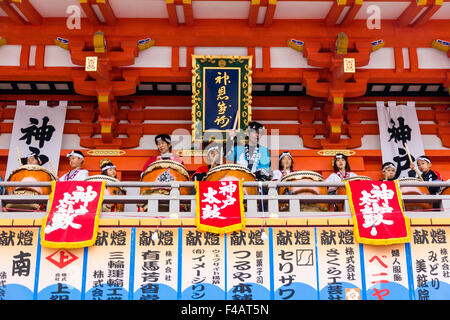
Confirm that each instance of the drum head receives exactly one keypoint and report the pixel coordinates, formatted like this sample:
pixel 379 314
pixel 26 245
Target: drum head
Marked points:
pixel 299 175
pixel 409 179
pixel 164 164
pixel 32 167
pixel 101 177
pixel 224 167
pixel 358 178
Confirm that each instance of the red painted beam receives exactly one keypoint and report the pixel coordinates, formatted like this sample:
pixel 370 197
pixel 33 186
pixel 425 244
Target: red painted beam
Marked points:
pixel 349 17
pixel 107 12
pixel 425 17
pixel 90 13
pixel 253 14
pixel 270 12
pixel 188 13
pixel 29 12
pixel 172 12
pixel 12 13
pixel 409 14
pixel 334 14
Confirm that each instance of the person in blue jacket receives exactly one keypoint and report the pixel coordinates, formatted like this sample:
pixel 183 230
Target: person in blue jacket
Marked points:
pixel 251 154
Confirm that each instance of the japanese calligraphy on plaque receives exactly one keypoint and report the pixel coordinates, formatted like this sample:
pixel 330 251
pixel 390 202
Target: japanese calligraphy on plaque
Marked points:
pixel 221 95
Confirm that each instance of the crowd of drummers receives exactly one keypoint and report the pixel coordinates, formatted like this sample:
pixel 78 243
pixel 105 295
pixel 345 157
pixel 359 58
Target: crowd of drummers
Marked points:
pixel 248 159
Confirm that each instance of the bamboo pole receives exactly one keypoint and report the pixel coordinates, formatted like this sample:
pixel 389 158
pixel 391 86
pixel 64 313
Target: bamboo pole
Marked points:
pixel 410 160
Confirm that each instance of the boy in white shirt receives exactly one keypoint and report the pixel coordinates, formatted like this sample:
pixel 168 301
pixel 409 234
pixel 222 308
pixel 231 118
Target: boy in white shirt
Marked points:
pixel 76 160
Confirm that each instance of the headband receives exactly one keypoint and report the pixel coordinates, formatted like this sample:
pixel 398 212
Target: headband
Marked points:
pixel 424 158
pixel 163 137
pixel 387 165
pixel 285 154
pixel 213 148
pixel 108 167
pixel 76 153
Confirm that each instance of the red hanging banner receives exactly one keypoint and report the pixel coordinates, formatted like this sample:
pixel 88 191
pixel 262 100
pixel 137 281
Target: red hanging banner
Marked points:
pixel 220 207
pixel 377 211
pixel 73 215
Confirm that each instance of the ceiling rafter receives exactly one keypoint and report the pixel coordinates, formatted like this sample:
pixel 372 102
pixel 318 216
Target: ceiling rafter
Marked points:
pixel 430 11
pixel 355 6
pixel 172 12
pixel 27 9
pixel 11 12
pixel 270 12
pixel 253 13
pixel 104 14
pixel 188 12
pixel 335 12
pixel 411 12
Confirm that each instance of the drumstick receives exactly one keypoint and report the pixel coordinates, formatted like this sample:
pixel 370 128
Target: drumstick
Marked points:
pixel 18 155
pixel 53 168
pixel 410 160
pixel 235 120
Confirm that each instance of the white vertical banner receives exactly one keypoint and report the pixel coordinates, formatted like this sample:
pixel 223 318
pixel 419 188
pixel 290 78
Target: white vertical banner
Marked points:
pixel 398 126
pixel 39 130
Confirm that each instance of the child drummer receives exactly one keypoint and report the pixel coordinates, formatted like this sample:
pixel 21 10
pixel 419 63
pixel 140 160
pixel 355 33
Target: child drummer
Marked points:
pixel 285 166
pixel 76 160
pixel 389 170
pixel 424 165
pixel 213 151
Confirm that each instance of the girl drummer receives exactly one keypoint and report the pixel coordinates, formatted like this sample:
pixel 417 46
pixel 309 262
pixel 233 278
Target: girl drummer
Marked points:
pixel 213 151
pixel 341 172
pixel 164 144
pixel 108 168
pixel 285 166
pixel 35 158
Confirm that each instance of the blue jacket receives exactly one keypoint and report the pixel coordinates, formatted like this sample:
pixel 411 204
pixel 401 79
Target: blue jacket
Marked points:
pixel 262 161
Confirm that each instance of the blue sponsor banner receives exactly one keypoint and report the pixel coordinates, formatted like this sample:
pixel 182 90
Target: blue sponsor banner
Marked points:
pixel 19 252
pixel 386 272
pixel 156 264
pixel 338 255
pixel 248 264
pixel 203 260
pixel 429 257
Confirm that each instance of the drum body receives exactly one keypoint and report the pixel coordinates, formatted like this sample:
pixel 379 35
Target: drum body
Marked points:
pixel 109 191
pixel 29 173
pixel 164 171
pixel 445 191
pixel 232 172
pixel 341 190
pixel 412 190
pixel 297 176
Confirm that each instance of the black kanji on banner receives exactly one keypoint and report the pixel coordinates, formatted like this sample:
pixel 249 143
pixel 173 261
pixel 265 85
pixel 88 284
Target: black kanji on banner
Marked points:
pixel 401 133
pixel 41 134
